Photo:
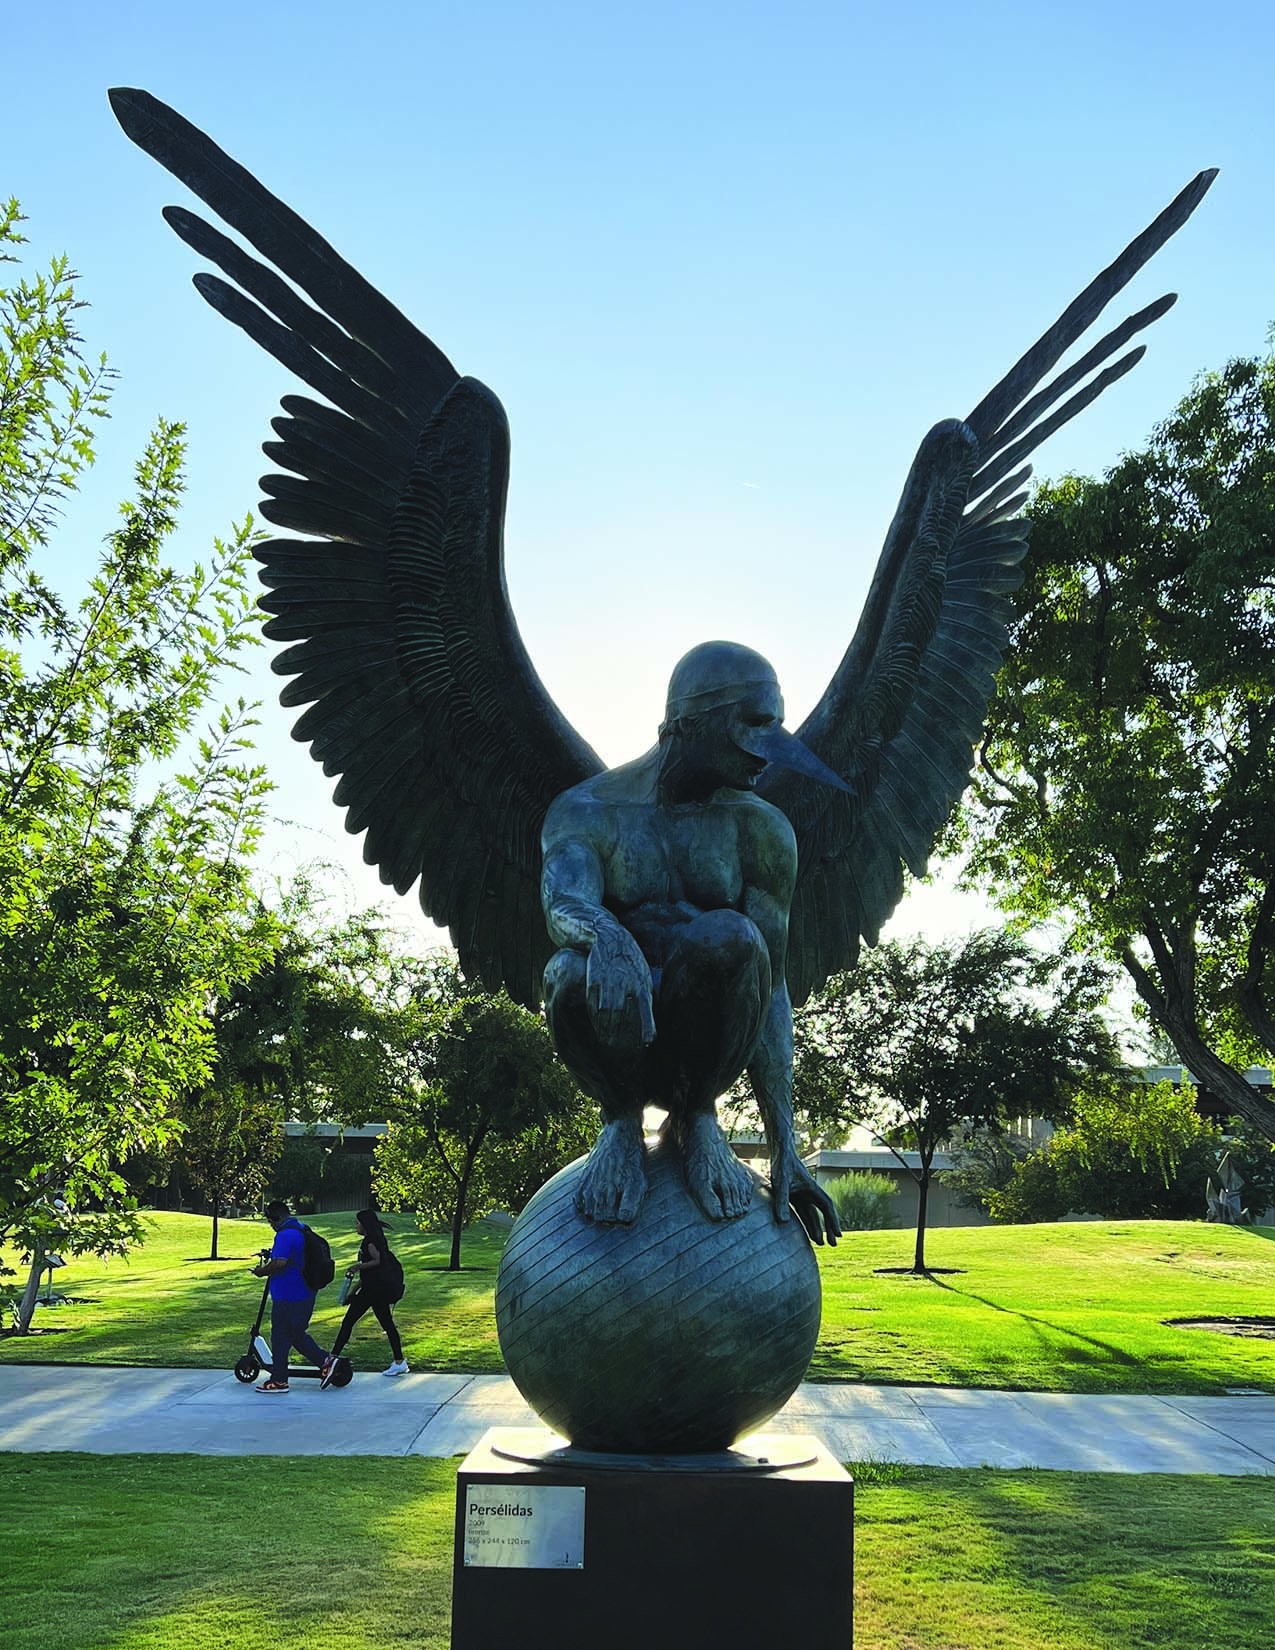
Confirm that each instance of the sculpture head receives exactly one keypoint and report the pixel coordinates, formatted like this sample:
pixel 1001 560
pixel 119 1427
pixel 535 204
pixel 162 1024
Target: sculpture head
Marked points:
pixel 724 718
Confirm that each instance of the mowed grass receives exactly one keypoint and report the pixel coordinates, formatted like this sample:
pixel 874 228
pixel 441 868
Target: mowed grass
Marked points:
pixel 166 1304
pixel 355 1554
pixel 1065 1308
pixel 1075 1307
pixel 989 1560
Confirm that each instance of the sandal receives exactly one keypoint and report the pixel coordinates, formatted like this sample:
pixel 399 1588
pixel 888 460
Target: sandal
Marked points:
pixel 273 1386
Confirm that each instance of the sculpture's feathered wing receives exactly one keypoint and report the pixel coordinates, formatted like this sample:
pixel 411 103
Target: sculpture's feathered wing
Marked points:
pixel 421 695
pixel 904 712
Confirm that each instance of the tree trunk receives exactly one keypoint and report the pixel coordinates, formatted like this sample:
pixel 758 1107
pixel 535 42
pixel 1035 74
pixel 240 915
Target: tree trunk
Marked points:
pixel 458 1222
pixel 1252 994
pixel 216 1208
pixel 1171 1010
pixel 1224 1081
pixel 462 1196
pixel 922 1206
pixel 26 1307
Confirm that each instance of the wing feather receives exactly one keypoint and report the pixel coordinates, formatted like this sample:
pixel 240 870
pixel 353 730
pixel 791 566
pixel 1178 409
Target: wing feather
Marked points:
pixel 419 694
pixel 362 365
pixel 292 350
pixel 346 438
pixel 904 711
pixel 283 238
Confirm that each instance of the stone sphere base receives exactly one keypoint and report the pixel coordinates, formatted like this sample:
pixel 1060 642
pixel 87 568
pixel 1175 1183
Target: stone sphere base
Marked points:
pixel 676 1334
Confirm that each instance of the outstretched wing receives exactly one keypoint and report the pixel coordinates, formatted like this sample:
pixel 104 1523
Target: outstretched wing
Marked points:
pixel 905 710
pixel 403 645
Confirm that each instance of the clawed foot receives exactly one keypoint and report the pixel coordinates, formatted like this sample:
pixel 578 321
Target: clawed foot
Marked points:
pixel 613 1184
pixel 715 1177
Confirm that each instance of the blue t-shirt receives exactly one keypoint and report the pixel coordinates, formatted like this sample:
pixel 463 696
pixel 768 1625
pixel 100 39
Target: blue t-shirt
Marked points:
pixel 289 1245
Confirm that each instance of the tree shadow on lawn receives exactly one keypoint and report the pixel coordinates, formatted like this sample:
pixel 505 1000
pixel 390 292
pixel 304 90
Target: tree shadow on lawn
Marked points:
pixel 1097 1348
pixel 1102 1559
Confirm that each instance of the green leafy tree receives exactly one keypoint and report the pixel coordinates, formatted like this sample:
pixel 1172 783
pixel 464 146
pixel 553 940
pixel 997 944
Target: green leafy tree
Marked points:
pixel 230 1141
pixel 1133 1151
pixel 124 908
pixel 317 1024
pixel 985 1163
pixel 297 1173
pixel 1126 785
pixel 492 1113
pixel 310 1035
pixel 921 1042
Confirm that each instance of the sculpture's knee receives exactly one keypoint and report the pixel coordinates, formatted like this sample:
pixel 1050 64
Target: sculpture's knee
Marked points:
pixel 725 943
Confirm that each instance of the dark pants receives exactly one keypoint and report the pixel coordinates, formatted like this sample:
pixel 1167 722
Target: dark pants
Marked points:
pixel 362 1302
pixel 289 1327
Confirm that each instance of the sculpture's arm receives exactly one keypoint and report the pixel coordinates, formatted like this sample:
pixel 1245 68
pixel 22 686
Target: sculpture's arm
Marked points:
pixel 791 1183
pixel 770 871
pixel 573 886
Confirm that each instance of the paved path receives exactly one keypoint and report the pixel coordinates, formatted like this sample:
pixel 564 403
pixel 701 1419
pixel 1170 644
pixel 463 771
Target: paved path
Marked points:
pixel 206 1412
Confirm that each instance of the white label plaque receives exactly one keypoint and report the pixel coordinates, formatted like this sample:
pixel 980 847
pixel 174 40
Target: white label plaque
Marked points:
pixel 513 1526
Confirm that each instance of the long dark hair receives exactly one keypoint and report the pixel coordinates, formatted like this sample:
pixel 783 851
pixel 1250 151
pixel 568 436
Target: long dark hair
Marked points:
pixel 370 1221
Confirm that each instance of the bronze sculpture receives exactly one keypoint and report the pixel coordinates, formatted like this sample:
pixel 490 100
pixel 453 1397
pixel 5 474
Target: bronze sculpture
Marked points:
pixel 726 874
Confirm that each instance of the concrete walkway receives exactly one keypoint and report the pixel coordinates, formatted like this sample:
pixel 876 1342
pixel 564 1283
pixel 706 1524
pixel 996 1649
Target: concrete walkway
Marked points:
pixel 207 1412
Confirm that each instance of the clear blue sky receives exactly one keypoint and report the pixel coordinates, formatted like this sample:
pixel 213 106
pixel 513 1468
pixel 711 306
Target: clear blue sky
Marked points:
pixel 724 265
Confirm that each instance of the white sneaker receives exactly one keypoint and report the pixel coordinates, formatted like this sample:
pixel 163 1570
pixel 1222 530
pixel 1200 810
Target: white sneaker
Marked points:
pixel 399 1368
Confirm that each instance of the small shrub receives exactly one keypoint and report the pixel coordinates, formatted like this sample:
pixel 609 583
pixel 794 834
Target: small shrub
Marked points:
pixel 1033 1193
pixel 1135 1151
pixel 864 1201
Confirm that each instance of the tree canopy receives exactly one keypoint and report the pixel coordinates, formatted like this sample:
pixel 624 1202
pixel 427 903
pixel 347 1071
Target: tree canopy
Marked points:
pixel 492 1114
pixel 314 1026
pixel 124 830
pixel 1126 783
pixel 921 1042
pixel 1131 1151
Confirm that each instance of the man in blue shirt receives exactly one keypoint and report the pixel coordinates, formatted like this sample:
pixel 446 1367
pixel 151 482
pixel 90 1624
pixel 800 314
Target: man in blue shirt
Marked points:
pixel 291 1300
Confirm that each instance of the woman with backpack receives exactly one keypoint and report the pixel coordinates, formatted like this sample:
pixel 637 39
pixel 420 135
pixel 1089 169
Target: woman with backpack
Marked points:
pixel 380 1284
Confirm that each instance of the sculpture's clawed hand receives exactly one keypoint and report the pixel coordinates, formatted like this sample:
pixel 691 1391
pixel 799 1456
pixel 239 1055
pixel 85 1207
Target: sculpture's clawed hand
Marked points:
pixel 793 1186
pixel 618 990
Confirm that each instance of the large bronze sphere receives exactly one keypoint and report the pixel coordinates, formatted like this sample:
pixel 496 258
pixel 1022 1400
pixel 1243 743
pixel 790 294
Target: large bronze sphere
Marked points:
pixel 677 1334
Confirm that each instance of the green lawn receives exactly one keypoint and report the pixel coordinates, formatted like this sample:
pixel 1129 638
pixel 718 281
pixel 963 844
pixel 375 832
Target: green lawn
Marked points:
pixel 168 1305
pixel 1066 1308
pixel 1078 1307
pixel 343 1554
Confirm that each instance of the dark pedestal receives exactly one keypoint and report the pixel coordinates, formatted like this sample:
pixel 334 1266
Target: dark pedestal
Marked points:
pixel 673 1558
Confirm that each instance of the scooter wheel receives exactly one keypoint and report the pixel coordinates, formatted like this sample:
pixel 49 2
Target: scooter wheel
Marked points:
pixel 344 1372
pixel 247 1369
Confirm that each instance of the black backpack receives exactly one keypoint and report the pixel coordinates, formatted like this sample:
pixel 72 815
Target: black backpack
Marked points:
pixel 317 1266
pixel 392 1284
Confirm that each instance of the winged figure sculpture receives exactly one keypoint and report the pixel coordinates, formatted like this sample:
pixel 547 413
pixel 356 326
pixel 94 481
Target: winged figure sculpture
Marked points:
pixel 466 779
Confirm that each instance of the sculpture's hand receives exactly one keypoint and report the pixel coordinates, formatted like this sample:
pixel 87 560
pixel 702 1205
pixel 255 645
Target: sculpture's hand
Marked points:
pixel 618 990
pixel 793 1186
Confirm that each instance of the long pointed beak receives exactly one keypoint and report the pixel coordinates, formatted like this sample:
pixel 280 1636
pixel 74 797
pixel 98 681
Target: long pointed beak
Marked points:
pixel 785 750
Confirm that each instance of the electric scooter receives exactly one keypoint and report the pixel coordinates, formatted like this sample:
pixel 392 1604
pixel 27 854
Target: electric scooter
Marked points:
pixel 258 1358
